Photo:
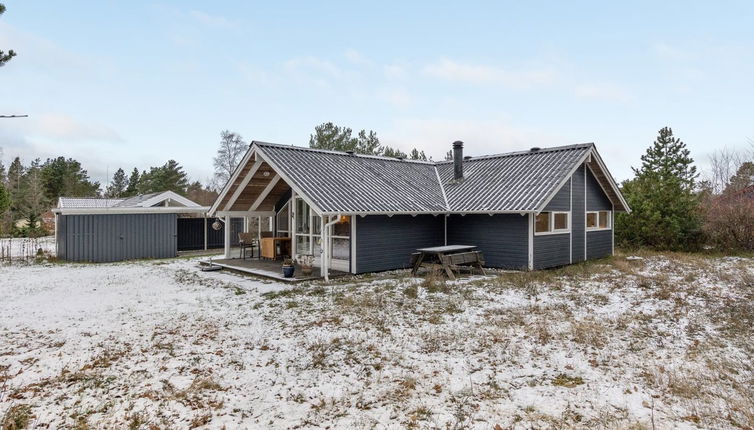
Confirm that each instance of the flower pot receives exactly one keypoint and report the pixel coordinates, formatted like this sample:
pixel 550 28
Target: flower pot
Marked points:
pixel 306 270
pixel 288 271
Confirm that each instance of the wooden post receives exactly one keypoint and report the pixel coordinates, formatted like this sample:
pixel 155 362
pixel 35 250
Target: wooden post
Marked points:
pixel 227 236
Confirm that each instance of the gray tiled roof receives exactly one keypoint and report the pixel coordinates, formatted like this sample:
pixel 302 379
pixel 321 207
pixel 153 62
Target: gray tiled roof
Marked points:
pixel 517 181
pixel 339 182
pixel 87 203
pixel 135 201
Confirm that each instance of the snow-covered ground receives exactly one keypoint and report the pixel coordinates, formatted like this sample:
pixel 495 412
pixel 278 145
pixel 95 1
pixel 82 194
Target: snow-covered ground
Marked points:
pixel 657 341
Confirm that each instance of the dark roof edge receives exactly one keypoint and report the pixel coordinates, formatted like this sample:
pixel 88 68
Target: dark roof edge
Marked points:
pixel 341 153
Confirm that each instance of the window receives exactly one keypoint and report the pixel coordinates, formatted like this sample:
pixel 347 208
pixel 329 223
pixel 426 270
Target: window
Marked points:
pixel 553 223
pixel 598 220
pixel 543 223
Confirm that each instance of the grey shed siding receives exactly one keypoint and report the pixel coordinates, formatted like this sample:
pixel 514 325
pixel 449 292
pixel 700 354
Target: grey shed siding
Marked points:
pixel 578 221
pixel 595 197
pixel 106 238
pixel 386 243
pixel 503 239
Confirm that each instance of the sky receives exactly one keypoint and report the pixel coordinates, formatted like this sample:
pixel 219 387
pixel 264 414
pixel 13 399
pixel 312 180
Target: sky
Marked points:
pixel 133 84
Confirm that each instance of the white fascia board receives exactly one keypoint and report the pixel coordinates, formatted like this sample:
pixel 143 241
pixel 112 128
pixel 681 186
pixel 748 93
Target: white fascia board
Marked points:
pixel 239 189
pixel 238 214
pixel 414 213
pixel 171 196
pixel 131 210
pixel 563 181
pixel 232 179
pixel 610 179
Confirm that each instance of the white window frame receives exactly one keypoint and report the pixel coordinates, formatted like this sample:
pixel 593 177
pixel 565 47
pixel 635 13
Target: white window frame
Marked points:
pixel 286 207
pixel 598 228
pixel 566 230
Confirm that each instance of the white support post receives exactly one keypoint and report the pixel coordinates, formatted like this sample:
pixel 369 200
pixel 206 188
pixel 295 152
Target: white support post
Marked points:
pixel 531 241
pixel 259 227
pixel 227 236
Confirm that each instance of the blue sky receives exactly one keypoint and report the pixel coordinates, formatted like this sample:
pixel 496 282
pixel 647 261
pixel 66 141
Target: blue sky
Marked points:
pixel 124 84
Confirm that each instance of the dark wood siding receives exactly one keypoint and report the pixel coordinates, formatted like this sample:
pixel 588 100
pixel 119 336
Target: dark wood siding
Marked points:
pixel 551 250
pixel 386 243
pixel 599 244
pixel 104 238
pixel 595 196
pixel 562 200
pixel 578 222
pixel 503 239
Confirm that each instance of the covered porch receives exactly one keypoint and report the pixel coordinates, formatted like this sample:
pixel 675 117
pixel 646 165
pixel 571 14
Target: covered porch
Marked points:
pixel 275 212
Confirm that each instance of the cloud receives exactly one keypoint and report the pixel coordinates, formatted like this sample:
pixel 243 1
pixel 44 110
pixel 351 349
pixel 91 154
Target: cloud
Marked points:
pixel 603 92
pixel 484 75
pixel 64 127
pixel 481 137
pixel 394 71
pixel 212 20
pixel 397 97
pixel 357 58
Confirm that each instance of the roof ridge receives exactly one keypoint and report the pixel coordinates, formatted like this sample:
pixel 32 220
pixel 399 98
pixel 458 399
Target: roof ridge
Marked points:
pixel 526 152
pixel 342 153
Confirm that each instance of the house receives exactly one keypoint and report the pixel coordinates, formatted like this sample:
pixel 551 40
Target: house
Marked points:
pixel 532 209
pixel 155 225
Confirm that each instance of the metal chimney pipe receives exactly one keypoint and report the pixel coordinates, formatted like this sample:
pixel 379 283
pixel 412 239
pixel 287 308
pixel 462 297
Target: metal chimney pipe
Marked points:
pixel 457 160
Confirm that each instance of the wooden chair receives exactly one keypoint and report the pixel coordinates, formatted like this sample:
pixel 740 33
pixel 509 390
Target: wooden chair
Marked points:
pixel 247 241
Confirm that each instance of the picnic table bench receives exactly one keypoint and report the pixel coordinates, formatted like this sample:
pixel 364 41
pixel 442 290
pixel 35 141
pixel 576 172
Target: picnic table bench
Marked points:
pixel 447 258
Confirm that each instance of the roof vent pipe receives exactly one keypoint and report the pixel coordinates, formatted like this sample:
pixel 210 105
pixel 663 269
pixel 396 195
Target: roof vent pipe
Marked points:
pixel 457 160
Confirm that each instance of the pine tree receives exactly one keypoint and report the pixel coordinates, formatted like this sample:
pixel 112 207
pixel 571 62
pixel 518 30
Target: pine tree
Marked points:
pixel 743 178
pixel 168 177
pixel 665 206
pixel 34 201
pixel 417 155
pixel 5 57
pixel 133 184
pixel 118 185
pixel 66 178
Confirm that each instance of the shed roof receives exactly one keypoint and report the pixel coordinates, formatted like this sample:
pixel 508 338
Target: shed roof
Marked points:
pixel 82 203
pixel 143 203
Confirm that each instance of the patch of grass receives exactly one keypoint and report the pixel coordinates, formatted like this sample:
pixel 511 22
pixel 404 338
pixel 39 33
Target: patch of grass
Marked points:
pixel 17 417
pixel 590 333
pixel 567 381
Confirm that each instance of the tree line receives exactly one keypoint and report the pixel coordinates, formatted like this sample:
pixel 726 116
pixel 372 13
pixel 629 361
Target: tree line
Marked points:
pixel 29 190
pixel 674 209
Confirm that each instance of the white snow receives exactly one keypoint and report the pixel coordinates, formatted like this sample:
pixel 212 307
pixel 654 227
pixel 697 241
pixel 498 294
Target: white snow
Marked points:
pixel 161 343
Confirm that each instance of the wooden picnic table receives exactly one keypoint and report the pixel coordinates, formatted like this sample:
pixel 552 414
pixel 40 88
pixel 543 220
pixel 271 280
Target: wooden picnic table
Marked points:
pixel 449 257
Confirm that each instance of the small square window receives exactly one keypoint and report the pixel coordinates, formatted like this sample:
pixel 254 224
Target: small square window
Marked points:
pixel 604 219
pixel 543 223
pixel 560 221
pixel 591 220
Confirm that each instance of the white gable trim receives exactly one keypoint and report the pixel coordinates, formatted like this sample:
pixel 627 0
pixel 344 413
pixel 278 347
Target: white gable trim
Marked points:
pixel 168 195
pixel 236 173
